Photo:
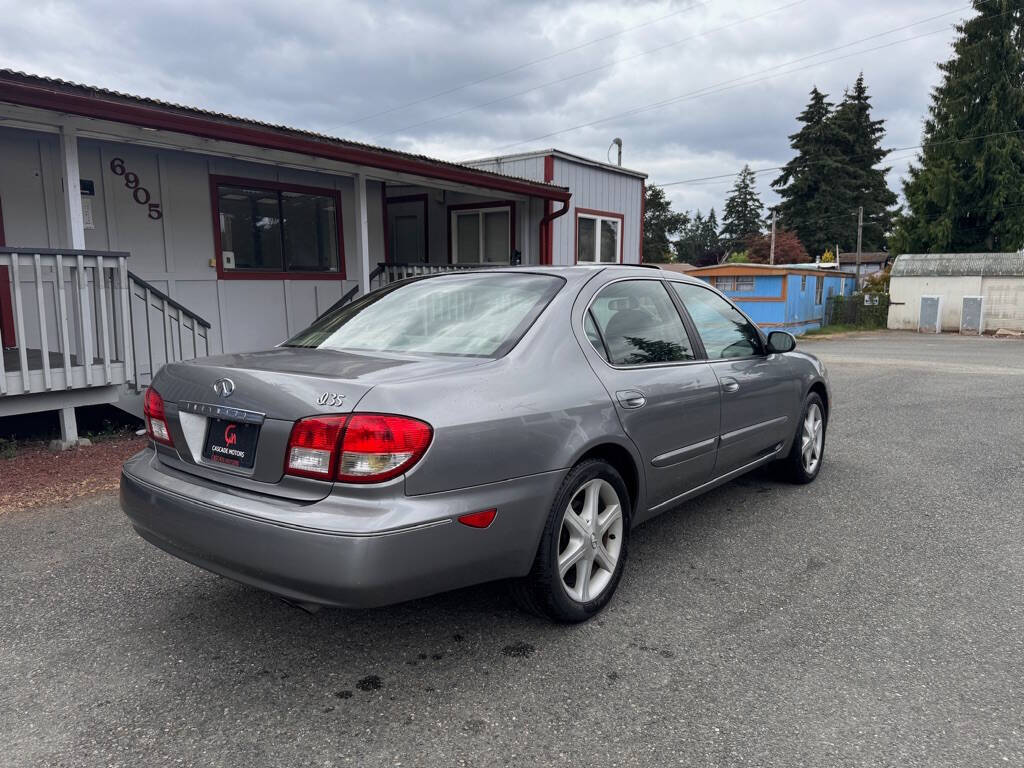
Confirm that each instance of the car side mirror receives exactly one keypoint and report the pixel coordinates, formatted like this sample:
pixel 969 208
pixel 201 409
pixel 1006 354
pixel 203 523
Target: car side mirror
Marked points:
pixel 781 341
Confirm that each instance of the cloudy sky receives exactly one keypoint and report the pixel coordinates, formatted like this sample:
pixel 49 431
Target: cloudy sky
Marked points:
pixel 694 88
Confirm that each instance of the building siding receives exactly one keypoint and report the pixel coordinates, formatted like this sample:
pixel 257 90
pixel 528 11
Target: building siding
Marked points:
pixel 593 188
pixel 174 252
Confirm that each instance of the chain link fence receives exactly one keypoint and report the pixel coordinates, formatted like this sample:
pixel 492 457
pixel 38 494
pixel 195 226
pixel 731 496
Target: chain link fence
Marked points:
pixel 864 310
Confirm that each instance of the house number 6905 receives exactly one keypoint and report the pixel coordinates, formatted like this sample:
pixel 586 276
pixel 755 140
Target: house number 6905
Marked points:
pixel 139 193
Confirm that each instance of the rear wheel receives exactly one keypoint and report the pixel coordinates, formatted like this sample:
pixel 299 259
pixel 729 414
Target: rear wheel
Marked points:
pixel 583 548
pixel 805 457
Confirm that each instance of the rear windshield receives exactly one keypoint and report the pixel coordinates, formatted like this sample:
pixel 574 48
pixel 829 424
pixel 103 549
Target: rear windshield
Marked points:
pixel 475 315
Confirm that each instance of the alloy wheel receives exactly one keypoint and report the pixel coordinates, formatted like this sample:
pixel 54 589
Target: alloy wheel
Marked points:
pixel 812 438
pixel 590 540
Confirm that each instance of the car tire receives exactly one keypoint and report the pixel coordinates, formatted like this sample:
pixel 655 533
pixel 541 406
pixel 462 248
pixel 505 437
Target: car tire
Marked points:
pixel 579 561
pixel 807 455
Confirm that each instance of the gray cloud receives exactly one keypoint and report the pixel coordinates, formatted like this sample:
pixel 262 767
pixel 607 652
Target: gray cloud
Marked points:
pixel 324 65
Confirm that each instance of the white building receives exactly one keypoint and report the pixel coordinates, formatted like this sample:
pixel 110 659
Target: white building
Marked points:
pixel 978 292
pixel 133 232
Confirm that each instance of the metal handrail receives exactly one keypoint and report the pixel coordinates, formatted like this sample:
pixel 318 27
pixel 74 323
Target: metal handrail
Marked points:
pixel 161 295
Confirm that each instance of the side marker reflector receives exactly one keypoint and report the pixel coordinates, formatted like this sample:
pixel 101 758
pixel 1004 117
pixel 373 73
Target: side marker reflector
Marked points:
pixel 479 519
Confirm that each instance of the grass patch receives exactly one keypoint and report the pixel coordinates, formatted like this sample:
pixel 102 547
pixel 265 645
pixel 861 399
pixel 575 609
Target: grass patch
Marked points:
pixel 825 330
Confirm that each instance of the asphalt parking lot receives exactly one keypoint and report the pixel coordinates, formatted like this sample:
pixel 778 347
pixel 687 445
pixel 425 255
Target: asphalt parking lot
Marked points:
pixel 875 617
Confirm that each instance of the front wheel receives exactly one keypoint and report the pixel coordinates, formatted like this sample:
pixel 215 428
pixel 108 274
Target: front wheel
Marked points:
pixel 808 452
pixel 583 548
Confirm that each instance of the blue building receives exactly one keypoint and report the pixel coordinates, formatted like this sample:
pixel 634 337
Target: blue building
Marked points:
pixel 789 297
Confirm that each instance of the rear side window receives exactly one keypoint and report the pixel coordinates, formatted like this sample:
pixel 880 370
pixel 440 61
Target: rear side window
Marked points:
pixel 638 325
pixel 473 315
pixel 723 330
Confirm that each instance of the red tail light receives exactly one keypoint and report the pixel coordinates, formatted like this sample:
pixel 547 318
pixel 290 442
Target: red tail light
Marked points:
pixel 313 447
pixel 377 447
pixel 156 420
pixel 362 448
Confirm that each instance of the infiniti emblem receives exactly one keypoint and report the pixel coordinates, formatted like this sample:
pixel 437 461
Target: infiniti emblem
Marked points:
pixel 224 387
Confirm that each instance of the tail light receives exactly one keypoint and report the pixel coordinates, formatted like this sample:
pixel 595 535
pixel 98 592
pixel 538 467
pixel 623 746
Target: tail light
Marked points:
pixel 313 447
pixel 156 419
pixel 362 448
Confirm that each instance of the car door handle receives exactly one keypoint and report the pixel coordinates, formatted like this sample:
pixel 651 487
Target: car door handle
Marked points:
pixel 730 385
pixel 630 398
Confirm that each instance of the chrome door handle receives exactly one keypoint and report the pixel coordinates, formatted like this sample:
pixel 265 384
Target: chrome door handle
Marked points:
pixel 730 385
pixel 630 398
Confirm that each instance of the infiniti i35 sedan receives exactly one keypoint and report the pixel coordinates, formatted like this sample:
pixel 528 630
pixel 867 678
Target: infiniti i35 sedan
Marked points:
pixel 461 428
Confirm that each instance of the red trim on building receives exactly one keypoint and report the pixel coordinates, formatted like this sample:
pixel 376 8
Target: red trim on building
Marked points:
pixel 603 215
pixel 643 213
pixel 53 96
pixel 252 274
pixel 547 240
pixel 422 198
pixel 7 336
pixel 384 218
pixel 510 204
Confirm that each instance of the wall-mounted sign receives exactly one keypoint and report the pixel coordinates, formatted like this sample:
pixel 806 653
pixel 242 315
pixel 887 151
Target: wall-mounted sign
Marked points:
pixel 87 187
pixel 140 194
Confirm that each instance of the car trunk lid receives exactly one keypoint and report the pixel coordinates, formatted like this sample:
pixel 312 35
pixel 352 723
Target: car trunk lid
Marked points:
pixel 217 406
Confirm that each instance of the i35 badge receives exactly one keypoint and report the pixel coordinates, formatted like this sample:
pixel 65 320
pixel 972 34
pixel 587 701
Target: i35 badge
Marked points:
pixel 224 387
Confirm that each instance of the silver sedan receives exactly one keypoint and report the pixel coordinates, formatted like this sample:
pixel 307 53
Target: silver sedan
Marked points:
pixel 509 424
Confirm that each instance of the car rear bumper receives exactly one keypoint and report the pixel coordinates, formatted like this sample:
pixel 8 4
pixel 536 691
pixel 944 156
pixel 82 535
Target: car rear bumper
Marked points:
pixel 362 567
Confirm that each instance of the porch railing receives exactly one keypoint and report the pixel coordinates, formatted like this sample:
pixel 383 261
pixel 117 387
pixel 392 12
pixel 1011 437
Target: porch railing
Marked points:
pixel 392 271
pixel 70 313
pixel 74 319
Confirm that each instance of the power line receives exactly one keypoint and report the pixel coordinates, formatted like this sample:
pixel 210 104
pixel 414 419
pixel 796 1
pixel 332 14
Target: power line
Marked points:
pixel 525 65
pixel 728 177
pixel 737 82
pixel 573 76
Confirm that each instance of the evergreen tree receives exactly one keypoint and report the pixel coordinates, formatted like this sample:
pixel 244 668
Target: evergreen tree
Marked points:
pixel 862 138
pixel 698 243
pixel 743 214
pixel 711 245
pixel 661 223
pixel 967 194
pixel 816 186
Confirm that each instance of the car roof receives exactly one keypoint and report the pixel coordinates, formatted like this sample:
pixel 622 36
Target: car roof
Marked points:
pixel 583 272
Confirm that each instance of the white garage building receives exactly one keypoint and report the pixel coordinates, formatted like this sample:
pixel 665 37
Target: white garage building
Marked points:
pixel 972 292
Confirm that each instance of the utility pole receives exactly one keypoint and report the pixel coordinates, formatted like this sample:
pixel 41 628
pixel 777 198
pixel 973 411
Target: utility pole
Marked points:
pixel 860 235
pixel 771 257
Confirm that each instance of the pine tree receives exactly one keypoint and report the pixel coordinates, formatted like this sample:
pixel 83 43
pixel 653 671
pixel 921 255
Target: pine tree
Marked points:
pixel 743 214
pixel 698 242
pixel 660 224
pixel 713 252
pixel 862 138
pixel 965 193
pixel 816 185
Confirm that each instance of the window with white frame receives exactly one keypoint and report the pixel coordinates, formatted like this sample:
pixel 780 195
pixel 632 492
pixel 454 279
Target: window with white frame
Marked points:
pixel 745 284
pixel 598 239
pixel 482 235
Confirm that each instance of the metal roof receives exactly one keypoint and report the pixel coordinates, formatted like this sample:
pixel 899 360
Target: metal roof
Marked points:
pixel 560 154
pixel 959 265
pixel 97 94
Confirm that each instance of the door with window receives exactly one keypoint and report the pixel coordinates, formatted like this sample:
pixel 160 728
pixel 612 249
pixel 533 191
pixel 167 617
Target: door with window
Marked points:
pixel 482 234
pixel 760 396
pixel 667 399
pixel 407 229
